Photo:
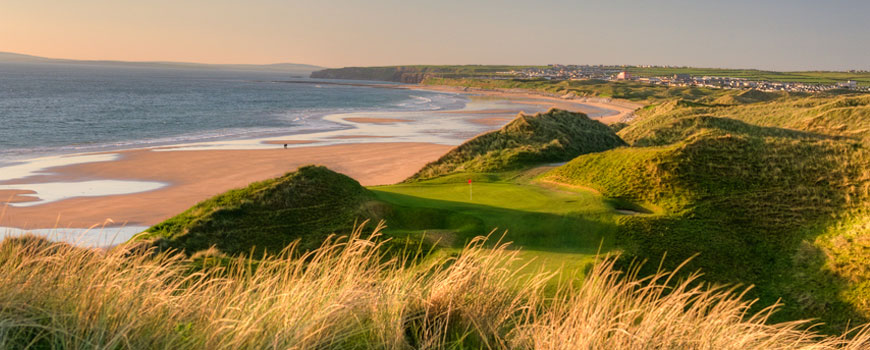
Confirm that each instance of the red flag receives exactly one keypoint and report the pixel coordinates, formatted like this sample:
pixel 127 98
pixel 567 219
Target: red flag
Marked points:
pixel 469 180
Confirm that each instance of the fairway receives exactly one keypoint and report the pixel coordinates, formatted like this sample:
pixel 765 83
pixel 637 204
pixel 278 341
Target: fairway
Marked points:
pixel 540 219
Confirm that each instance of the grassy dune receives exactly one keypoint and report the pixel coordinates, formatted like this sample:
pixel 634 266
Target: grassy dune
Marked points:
pixel 307 205
pixel 554 136
pixel 348 295
pixel 770 190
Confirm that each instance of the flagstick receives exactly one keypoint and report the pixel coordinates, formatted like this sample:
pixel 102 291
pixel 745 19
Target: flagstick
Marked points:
pixel 470 193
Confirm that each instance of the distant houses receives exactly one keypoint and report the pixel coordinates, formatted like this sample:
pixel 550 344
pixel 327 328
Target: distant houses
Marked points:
pixel 601 72
pixel 851 84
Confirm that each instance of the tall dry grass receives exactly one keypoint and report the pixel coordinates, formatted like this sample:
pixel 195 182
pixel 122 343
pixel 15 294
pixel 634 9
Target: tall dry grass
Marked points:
pixel 351 294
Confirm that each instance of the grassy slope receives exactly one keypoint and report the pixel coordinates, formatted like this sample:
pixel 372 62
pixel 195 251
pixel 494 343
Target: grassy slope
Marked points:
pixel 307 204
pixel 754 198
pixel 554 136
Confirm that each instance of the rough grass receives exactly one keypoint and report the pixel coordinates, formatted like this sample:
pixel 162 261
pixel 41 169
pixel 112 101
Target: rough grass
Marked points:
pixel 346 295
pixel 554 136
pixel 845 116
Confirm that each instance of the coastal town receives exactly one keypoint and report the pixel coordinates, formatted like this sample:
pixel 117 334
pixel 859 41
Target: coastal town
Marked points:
pixel 622 73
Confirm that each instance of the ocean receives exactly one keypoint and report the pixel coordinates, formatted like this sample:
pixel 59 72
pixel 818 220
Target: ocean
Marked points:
pixel 51 109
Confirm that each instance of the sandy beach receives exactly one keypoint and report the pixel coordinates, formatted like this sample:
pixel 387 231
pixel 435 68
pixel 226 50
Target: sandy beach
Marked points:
pixel 185 176
pixel 196 175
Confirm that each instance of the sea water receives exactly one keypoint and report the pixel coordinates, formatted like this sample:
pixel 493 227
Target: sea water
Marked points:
pixel 51 109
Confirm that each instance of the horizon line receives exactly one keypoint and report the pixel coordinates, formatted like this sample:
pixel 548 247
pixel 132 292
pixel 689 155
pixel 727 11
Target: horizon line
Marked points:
pixel 33 56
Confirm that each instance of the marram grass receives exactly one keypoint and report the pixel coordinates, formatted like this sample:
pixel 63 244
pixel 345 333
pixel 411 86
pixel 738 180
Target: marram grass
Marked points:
pixel 352 294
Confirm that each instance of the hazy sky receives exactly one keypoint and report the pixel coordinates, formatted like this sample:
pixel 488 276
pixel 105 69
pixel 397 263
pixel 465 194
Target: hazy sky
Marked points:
pixel 767 34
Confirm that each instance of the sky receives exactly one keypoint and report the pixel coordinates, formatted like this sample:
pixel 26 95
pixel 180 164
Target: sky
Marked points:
pixel 764 34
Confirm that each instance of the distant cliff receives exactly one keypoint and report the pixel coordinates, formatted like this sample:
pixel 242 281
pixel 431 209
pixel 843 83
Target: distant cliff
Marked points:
pixel 413 74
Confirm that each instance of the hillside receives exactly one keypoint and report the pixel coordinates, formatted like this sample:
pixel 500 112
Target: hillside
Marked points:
pixel 770 191
pixel 554 136
pixel 411 74
pixel 291 68
pixel 307 204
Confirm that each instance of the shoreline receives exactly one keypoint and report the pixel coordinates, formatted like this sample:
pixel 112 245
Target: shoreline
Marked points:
pixel 623 108
pixel 374 151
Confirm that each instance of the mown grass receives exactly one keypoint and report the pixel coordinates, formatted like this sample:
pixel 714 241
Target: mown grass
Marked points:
pixel 535 216
pixel 555 226
pixel 348 295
